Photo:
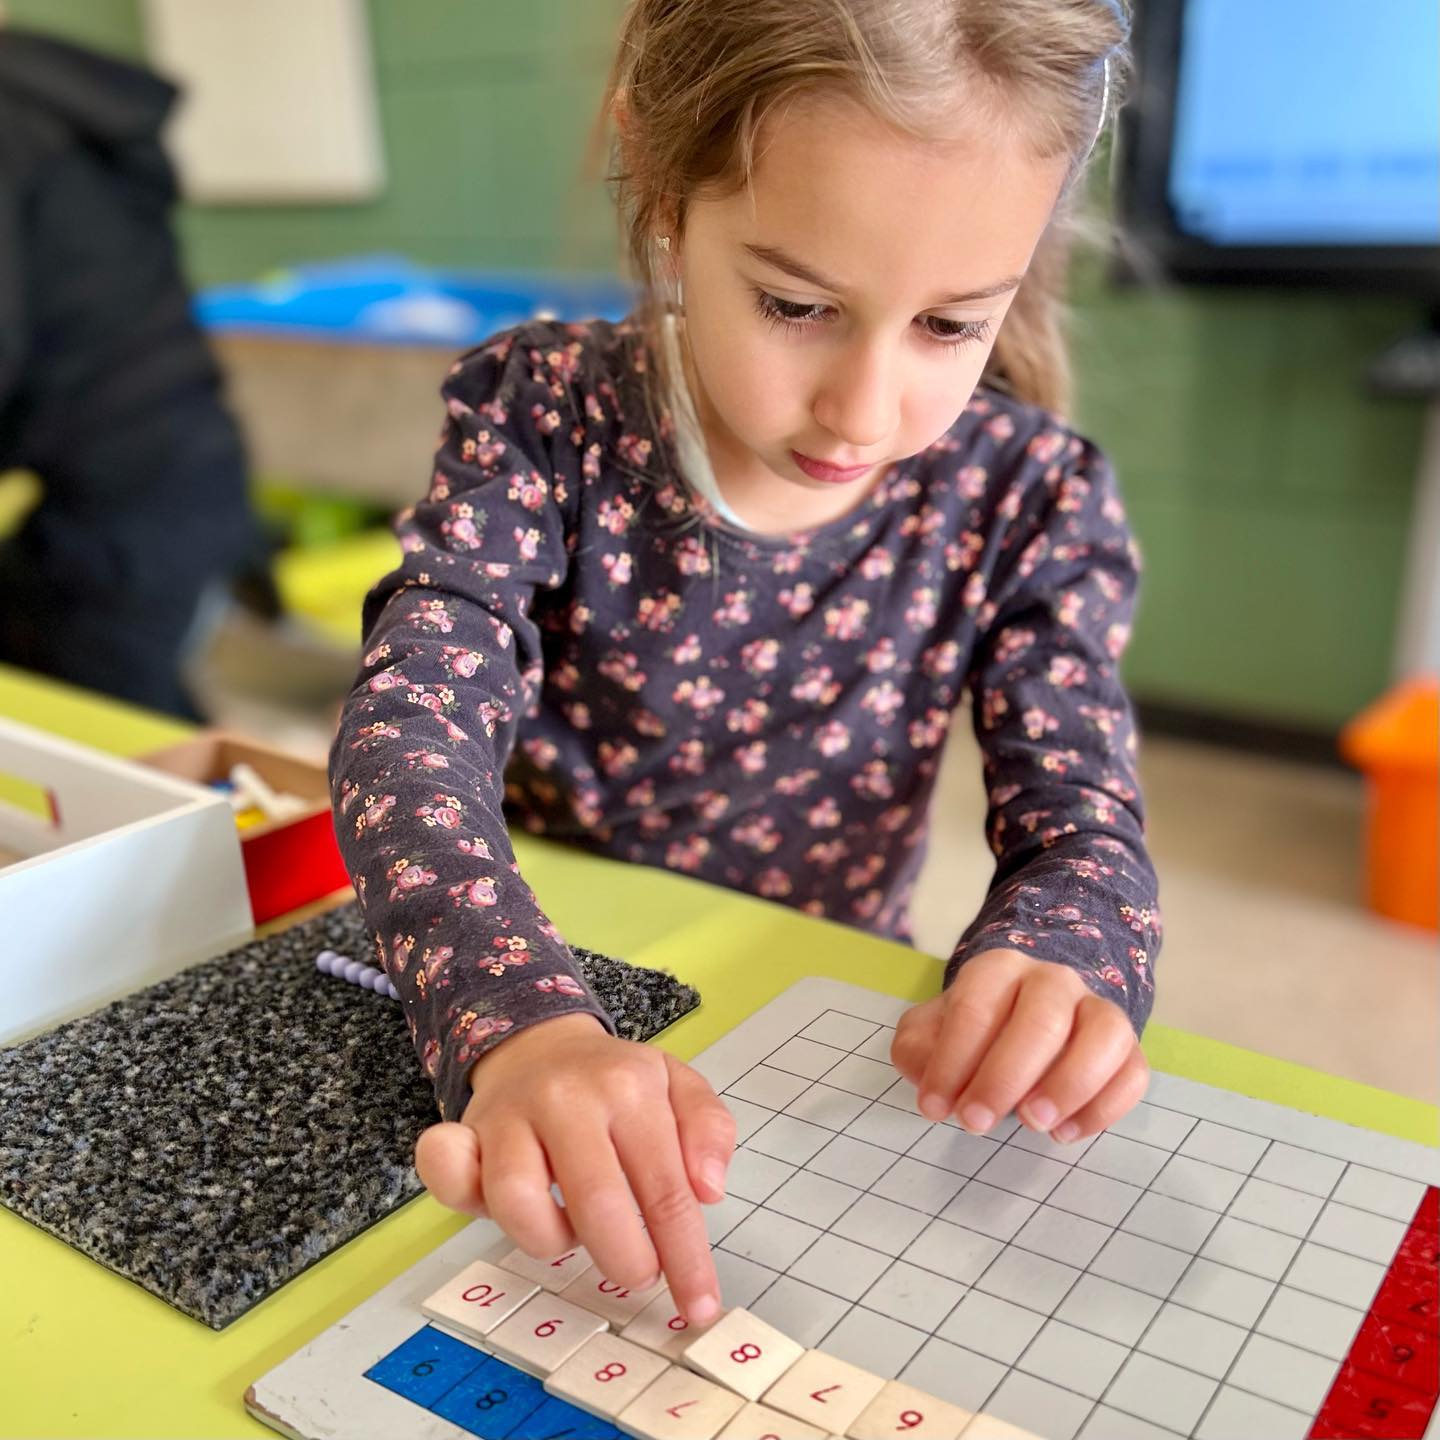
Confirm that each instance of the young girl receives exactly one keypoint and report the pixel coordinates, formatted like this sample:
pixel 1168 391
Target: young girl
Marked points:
pixel 703 590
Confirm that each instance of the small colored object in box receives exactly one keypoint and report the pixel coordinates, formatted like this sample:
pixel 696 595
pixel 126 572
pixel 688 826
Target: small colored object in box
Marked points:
pixel 289 851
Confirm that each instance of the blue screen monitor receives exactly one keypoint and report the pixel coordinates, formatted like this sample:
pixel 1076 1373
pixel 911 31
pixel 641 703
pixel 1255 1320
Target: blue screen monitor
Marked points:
pixel 1287 141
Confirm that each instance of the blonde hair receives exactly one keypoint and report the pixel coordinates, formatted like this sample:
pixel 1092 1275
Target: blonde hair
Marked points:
pixel 693 82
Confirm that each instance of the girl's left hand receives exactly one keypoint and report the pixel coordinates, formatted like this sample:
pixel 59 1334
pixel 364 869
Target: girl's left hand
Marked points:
pixel 1016 1033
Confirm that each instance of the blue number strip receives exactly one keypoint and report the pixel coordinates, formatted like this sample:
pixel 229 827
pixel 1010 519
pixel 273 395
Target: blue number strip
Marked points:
pixel 487 1397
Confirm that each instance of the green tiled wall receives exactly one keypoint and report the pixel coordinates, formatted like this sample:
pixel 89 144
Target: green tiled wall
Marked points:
pixel 1270 496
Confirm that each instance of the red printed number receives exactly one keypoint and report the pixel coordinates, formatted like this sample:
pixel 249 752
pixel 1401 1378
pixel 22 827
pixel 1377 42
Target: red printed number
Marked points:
pixel 613 1371
pixel 482 1295
pixel 609 1287
pixel 678 1322
pixel 547 1328
pixel 821 1394
pixel 676 1409
pixel 560 1260
pixel 909 1419
pixel 745 1353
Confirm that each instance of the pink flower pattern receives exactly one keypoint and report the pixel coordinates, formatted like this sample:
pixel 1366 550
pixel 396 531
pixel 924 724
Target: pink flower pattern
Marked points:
pixel 568 637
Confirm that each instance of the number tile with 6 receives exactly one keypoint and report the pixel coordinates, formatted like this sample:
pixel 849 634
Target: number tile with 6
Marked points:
pixel 605 1374
pixel 543 1333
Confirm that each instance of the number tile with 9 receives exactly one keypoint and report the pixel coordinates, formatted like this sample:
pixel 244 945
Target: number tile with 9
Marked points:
pixel 902 1410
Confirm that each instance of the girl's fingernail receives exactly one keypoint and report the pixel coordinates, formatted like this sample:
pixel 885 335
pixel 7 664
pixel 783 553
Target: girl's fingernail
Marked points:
pixel 704 1310
pixel 976 1117
pixel 1040 1114
pixel 1064 1134
pixel 932 1107
pixel 712 1172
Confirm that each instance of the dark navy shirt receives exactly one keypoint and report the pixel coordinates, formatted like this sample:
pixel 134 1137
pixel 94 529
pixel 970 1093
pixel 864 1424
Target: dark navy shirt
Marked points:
pixel 576 644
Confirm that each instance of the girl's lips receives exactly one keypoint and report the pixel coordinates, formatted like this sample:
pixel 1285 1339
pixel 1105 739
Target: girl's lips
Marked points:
pixel 818 471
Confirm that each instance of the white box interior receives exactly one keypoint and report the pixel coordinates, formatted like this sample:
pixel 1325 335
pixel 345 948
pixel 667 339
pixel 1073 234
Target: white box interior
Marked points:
pixel 131 876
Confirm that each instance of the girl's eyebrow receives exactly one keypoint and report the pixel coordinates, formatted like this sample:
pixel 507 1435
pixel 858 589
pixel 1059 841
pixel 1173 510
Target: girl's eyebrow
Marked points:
pixel 781 260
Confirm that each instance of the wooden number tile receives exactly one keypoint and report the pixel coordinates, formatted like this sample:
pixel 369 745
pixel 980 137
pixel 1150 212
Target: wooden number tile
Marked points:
pixel 900 1410
pixel 680 1405
pixel 991 1427
pixel 743 1353
pixel 618 1304
pixel 662 1328
pixel 477 1299
pixel 605 1374
pixel 543 1333
pixel 553 1274
pixel 824 1391
pixel 760 1422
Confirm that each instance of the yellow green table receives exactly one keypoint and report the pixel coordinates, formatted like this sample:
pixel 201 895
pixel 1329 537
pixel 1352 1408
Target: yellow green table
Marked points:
pixel 86 1353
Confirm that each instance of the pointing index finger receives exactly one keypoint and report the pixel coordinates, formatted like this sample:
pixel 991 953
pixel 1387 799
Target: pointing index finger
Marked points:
pixel 656 1172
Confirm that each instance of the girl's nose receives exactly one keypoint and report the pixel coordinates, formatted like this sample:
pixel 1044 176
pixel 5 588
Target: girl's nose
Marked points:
pixel 858 400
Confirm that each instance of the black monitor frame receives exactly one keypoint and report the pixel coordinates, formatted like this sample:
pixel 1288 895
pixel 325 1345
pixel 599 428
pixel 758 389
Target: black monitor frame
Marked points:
pixel 1142 171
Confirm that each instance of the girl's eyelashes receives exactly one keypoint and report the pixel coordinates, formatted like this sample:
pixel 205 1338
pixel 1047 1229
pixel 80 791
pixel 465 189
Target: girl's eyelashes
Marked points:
pixel 782 314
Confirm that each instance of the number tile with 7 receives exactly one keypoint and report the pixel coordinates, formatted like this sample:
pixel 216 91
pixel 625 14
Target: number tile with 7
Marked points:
pixel 822 1390
pixel 680 1405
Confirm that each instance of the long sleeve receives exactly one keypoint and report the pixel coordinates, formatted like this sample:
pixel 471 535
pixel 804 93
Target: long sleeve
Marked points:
pixel 453 661
pixel 1073 882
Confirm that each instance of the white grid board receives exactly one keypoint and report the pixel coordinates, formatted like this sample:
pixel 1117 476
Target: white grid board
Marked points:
pixel 1198 1270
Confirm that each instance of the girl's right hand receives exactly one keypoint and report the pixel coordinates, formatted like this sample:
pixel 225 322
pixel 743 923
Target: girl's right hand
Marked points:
pixel 607 1119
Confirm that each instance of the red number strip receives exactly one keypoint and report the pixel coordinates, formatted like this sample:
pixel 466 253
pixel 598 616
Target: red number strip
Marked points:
pixel 1389 1382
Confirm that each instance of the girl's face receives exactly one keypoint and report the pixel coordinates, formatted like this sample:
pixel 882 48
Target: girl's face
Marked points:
pixel 914 252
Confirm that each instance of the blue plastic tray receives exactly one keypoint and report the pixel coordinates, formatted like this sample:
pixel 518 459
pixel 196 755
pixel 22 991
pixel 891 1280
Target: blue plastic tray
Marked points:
pixel 386 299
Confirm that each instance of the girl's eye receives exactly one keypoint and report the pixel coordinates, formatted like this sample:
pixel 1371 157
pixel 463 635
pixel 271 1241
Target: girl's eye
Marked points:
pixel 788 315
pixel 959 332
pixel 783 313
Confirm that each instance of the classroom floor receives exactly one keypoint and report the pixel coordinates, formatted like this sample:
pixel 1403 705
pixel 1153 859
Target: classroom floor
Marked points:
pixel 1268 944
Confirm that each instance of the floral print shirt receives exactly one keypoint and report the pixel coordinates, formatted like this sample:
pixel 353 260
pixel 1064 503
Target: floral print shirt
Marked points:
pixel 575 644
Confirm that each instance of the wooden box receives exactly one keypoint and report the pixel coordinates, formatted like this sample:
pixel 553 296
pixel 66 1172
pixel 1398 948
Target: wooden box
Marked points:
pixel 112 876
pixel 288 863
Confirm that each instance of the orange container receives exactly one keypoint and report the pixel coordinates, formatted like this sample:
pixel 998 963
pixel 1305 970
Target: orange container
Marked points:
pixel 1396 742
